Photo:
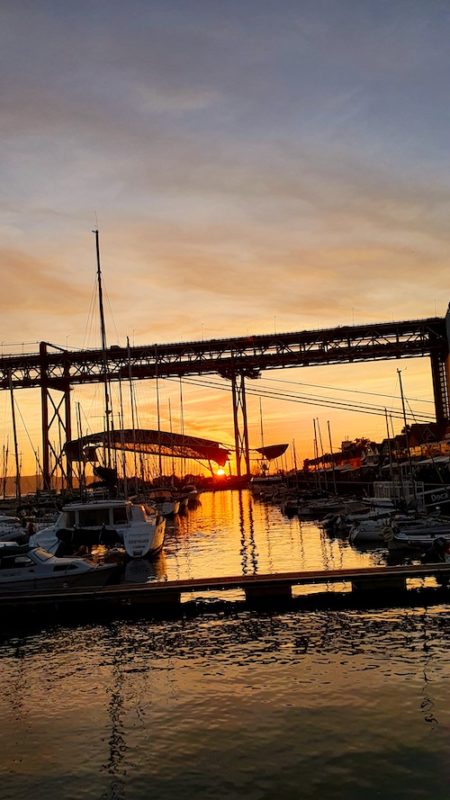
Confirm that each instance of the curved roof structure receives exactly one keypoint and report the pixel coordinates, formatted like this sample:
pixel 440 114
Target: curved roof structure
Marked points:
pixel 272 451
pixel 147 441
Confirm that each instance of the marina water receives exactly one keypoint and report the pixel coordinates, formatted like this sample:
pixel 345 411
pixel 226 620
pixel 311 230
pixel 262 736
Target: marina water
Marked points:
pixel 228 704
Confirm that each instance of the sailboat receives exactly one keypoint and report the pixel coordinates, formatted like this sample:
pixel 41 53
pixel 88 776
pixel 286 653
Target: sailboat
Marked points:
pixel 163 496
pixel 264 485
pixel 138 528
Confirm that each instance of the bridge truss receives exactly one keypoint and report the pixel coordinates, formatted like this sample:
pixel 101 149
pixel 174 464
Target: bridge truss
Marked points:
pixel 54 369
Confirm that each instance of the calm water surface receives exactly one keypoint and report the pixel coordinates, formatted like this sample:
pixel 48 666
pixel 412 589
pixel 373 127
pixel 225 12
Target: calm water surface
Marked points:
pixel 231 533
pixel 228 705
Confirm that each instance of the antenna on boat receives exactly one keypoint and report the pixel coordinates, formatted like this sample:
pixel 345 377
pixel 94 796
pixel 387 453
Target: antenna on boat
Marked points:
pixel 105 362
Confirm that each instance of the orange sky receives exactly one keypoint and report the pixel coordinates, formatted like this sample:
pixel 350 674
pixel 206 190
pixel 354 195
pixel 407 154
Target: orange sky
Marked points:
pixel 269 166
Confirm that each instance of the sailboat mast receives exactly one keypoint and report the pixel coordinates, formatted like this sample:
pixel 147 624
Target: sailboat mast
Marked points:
pixel 183 463
pixel 133 421
pixel 391 474
pixel 105 363
pixel 399 373
pixel 261 423
pixel 171 444
pixel 5 467
pixel 16 449
pixel 158 415
pixel 332 456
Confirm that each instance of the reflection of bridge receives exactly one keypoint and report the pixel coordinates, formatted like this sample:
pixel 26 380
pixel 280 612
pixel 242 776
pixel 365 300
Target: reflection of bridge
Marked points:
pixel 54 368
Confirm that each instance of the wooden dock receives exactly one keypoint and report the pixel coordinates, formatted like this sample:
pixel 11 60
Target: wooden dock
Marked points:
pixel 373 585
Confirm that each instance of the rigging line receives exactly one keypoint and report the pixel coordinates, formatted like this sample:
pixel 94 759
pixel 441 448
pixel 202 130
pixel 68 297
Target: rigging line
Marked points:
pixel 314 401
pixel 329 402
pixel 326 404
pixel 90 317
pixel 35 452
pixel 338 405
pixel 337 389
pixel 112 315
pixel 88 426
pixel 336 400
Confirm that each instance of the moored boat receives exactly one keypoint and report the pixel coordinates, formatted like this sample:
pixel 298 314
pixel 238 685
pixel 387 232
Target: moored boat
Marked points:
pixel 165 501
pixel 11 529
pixel 139 529
pixel 419 532
pixel 23 568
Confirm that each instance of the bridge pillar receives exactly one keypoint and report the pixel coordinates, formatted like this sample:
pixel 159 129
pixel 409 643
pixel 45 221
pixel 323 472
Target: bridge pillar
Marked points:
pixel 240 415
pixel 440 377
pixel 440 372
pixel 54 415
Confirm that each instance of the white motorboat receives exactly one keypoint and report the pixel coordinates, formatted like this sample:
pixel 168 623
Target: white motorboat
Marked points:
pixel 24 568
pixel 139 529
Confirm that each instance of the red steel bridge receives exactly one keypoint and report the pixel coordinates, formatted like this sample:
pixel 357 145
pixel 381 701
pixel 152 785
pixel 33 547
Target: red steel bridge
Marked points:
pixel 55 370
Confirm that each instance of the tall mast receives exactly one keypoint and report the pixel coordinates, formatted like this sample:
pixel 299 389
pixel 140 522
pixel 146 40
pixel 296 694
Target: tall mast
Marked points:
pixel 133 421
pixel 5 467
pixel 171 435
pixel 261 423
pixel 399 373
pixel 322 454
pixel 16 448
pixel 389 445
pixel 105 362
pixel 183 463
pixel 332 457
pixel 158 415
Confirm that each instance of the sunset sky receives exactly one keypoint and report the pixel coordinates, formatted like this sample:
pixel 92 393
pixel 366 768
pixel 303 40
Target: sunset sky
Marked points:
pixel 252 166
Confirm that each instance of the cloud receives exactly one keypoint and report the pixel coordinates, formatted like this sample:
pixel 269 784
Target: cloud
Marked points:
pixel 240 171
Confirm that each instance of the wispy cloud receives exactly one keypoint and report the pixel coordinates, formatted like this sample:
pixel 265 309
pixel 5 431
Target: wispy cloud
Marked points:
pixel 252 165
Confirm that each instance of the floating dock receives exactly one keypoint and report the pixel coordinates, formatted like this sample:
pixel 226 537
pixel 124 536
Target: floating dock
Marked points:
pixel 342 588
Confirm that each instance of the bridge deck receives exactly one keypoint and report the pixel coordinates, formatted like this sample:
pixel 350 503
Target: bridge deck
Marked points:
pixel 54 367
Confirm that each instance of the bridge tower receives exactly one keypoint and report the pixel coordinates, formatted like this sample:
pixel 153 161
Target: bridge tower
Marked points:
pixel 440 372
pixel 240 420
pixel 56 419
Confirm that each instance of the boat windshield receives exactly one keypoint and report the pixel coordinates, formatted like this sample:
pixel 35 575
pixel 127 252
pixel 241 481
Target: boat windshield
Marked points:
pixel 92 517
pixel 41 554
pixel 120 514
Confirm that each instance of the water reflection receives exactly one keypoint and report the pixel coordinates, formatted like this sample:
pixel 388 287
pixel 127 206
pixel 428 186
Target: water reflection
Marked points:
pixel 143 570
pixel 249 553
pixel 117 734
pixel 207 707
pixel 231 533
pixel 235 703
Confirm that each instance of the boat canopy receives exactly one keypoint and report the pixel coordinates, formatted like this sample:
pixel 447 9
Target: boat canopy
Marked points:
pixel 147 441
pixel 272 451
